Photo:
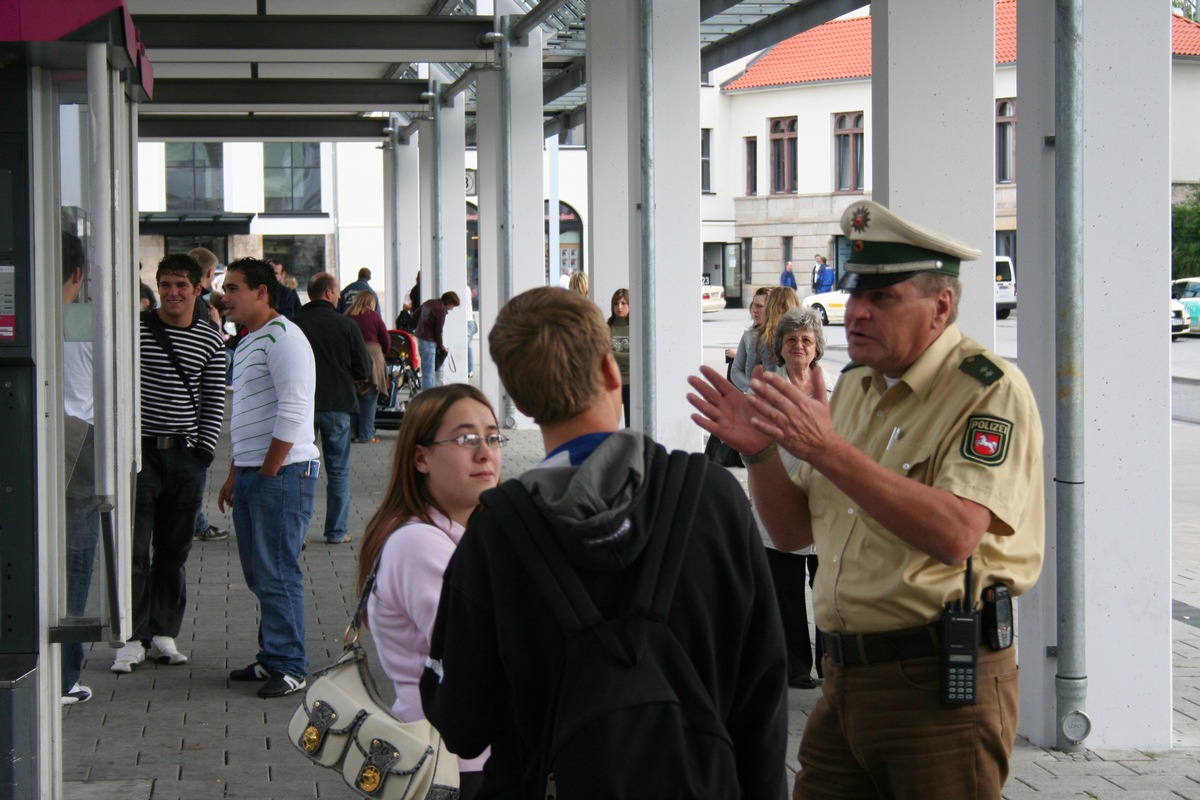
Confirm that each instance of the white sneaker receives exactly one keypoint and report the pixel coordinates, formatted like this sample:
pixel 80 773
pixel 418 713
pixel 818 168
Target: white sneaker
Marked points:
pixel 163 650
pixel 128 657
pixel 78 694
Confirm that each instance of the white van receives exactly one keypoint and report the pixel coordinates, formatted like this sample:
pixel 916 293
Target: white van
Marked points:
pixel 1006 287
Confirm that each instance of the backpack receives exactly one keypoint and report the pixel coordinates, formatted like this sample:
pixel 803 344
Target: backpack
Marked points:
pixel 630 717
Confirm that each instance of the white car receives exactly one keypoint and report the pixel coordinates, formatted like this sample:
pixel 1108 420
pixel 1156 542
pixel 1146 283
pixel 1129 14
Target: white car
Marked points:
pixel 1180 322
pixel 830 305
pixel 712 298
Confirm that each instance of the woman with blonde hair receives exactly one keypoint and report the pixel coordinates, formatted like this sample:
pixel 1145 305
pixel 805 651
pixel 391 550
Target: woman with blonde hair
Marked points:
pixel 780 300
pixel 579 283
pixel 378 341
pixel 447 454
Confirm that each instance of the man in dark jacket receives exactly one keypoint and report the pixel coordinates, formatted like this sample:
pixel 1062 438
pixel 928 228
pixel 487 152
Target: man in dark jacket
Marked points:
pixel 496 654
pixel 363 284
pixel 342 359
pixel 430 322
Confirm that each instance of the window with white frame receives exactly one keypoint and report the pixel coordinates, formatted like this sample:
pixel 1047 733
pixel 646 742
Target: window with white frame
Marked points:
pixel 706 159
pixel 783 155
pixel 848 151
pixel 1006 139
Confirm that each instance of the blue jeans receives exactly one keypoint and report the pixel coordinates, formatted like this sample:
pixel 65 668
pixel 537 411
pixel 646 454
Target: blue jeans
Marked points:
pixel 428 351
pixel 364 420
pixel 170 488
pixel 271 517
pixel 334 429
pixel 471 329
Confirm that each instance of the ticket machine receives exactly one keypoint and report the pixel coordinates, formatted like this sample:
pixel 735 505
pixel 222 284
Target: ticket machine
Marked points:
pixel 71 78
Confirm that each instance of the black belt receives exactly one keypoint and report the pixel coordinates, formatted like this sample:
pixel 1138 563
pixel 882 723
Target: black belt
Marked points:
pixel 853 650
pixel 163 442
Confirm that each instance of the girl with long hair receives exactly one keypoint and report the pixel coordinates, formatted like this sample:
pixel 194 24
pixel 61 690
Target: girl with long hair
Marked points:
pixel 447 454
pixel 618 323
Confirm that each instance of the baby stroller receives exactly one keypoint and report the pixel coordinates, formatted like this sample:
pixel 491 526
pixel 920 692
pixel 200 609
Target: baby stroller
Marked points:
pixel 404 375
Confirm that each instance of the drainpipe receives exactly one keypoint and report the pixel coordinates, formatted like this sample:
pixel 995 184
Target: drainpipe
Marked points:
pixel 505 217
pixel 647 307
pixel 435 251
pixel 1070 682
pixel 393 148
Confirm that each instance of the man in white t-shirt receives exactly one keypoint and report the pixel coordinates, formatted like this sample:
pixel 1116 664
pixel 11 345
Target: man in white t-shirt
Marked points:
pixel 273 477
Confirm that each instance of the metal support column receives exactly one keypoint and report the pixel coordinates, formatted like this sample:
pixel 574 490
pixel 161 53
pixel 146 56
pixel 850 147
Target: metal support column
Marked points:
pixel 648 307
pixel 1071 680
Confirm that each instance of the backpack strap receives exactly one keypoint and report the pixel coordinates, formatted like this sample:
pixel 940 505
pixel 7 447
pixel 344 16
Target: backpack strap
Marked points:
pixel 683 493
pixel 532 538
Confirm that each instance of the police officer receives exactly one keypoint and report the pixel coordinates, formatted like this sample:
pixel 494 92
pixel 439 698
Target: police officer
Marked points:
pixel 925 464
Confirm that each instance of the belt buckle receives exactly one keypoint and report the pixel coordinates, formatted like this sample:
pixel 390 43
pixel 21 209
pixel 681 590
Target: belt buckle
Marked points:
pixel 164 442
pixel 833 648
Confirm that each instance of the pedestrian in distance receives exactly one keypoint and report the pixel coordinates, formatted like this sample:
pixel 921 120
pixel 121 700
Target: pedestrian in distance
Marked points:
pixel 618 323
pixel 378 342
pixel 341 362
pixel 430 324
pixel 788 276
pixel 448 451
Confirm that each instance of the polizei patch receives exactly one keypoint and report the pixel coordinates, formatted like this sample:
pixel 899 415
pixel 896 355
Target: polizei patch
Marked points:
pixel 986 440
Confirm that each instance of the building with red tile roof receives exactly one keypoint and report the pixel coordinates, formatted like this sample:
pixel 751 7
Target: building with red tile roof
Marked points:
pixel 841 50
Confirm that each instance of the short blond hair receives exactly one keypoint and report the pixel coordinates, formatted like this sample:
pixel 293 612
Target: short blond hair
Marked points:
pixel 206 258
pixel 549 347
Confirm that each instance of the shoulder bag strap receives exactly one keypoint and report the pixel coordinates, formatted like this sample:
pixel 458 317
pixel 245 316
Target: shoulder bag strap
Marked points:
pixel 159 332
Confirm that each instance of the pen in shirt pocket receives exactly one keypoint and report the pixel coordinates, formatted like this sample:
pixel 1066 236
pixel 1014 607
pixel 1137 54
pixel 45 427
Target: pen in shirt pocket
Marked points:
pixel 895 437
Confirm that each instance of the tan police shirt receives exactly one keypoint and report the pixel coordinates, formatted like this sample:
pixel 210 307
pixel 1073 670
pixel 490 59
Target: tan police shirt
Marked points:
pixel 960 419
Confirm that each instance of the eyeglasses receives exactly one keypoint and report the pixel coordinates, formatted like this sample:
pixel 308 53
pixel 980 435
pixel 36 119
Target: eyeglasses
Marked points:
pixel 472 441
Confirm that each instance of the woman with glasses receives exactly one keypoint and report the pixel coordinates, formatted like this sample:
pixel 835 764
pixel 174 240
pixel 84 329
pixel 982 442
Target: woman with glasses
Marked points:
pixel 447 454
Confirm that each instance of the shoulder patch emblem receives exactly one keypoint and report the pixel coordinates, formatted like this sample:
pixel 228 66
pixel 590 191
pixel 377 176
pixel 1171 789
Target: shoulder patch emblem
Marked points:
pixel 986 440
pixel 981 369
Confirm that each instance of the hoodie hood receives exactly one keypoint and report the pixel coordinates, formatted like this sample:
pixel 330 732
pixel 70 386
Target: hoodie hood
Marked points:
pixel 597 507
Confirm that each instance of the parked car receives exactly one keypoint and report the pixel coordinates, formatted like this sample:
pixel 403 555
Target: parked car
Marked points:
pixel 830 305
pixel 712 298
pixel 1187 292
pixel 1179 320
pixel 1006 287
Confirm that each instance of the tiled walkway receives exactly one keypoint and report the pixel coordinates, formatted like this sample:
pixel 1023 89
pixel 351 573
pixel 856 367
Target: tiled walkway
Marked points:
pixel 187 732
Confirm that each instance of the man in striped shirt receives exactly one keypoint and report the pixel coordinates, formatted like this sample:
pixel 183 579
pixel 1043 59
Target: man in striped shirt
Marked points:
pixel 183 402
pixel 273 478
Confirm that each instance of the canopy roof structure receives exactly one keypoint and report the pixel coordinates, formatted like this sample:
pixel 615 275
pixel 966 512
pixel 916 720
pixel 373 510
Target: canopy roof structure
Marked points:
pixel 290 70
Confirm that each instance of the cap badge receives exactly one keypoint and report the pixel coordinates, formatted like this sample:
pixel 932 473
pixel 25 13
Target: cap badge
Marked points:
pixel 861 219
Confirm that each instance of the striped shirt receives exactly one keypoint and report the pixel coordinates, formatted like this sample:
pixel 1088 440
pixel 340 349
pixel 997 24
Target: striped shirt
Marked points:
pixel 170 407
pixel 274 381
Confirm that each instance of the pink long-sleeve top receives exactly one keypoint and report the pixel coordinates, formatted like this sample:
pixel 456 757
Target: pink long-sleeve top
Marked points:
pixel 404 604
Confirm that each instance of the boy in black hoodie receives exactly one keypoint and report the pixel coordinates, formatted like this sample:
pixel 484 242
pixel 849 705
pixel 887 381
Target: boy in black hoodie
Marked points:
pixel 496 654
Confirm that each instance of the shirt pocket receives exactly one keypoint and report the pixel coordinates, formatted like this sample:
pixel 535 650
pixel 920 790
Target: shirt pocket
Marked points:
pixel 908 458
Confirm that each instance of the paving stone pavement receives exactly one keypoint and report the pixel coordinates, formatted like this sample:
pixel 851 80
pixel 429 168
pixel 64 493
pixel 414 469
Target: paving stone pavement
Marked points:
pixel 188 733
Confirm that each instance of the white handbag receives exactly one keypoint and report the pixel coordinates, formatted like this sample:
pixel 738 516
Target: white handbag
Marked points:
pixel 343 724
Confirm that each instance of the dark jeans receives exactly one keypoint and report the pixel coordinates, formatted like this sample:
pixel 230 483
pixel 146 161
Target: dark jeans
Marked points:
pixel 334 429
pixel 364 420
pixel 170 488
pixel 788 574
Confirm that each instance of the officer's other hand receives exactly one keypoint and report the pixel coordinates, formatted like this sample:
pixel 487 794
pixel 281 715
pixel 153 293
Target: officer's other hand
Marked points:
pixel 798 421
pixel 724 411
